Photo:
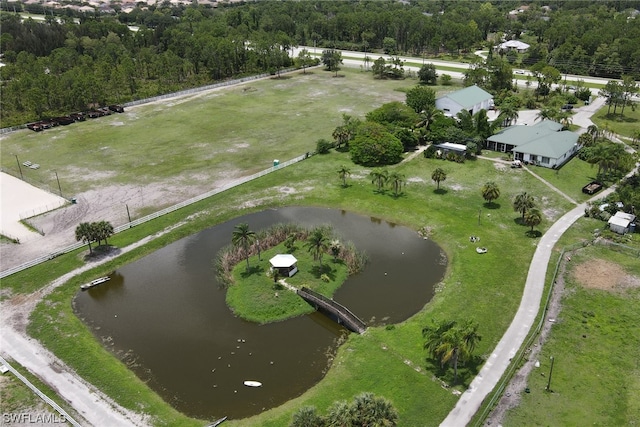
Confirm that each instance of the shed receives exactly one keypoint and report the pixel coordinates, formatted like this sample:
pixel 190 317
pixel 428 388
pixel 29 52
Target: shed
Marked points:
pixel 472 99
pixel 621 222
pixel 285 264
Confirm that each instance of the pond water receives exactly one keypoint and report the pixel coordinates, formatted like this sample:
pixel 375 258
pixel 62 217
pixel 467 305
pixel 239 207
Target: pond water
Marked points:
pixel 165 314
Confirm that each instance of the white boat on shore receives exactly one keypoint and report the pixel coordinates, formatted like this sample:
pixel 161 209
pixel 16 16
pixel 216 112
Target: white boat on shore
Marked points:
pixel 95 283
pixel 253 384
pixel 217 422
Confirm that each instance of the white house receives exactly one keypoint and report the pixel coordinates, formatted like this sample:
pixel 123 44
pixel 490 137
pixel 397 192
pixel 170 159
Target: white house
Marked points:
pixel 621 222
pixel 517 45
pixel 472 99
pixel 544 144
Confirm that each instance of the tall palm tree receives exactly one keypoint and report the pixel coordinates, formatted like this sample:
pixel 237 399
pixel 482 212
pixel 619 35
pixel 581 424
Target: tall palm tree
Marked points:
pixel 508 114
pixel 335 247
pixel 379 177
pixel 451 343
pixel 343 173
pixel 438 175
pixel 490 192
pixel 533 217
pixel 397 180
pixel 317 243
pixel 243 237
pixel 523 202
pixel 594 132
pixel 103 230
pixel 85 233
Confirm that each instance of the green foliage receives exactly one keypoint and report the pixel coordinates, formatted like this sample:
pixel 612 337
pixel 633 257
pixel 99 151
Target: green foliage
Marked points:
pixel 374 146
pixel 428 75
pixel 366 410
pixel 323 146
pixel 421 98
pixel 445 80
pixel 395 114
pixel 490 192
pixel 451 343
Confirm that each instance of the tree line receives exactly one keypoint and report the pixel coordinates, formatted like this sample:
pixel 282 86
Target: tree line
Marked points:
pixel 58 66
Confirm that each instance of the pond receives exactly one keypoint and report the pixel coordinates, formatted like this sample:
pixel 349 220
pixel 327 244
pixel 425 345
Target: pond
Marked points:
pixel 165 314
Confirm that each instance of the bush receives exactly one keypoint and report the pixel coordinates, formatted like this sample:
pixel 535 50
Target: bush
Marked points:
pixel 374 146
pixel 583 93
pixel 323 146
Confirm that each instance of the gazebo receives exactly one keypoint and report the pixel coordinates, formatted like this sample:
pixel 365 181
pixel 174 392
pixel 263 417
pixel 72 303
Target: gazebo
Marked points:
pixel 285 264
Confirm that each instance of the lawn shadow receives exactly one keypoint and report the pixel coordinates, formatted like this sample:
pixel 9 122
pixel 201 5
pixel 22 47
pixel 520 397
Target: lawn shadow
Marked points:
pixel 519 221
pixel 318 271
pixel 533 233
pixel 399 195
pixel 491 205
pixel 100 252
pixel 440 191
pixel 253 269
pixel 342 149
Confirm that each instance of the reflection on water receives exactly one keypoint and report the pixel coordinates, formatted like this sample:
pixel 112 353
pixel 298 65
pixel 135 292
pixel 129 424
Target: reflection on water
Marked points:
pixel 166 316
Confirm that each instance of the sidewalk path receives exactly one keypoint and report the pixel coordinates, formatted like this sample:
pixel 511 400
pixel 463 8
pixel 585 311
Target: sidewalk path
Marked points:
pixel 496 365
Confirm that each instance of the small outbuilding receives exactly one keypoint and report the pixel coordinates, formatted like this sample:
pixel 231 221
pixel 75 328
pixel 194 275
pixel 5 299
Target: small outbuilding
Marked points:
pixel 285 264
pixel 621 222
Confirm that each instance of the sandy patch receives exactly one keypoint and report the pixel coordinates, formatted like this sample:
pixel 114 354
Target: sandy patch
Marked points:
pixel 604 275
pixel 415 179
pixel 500 166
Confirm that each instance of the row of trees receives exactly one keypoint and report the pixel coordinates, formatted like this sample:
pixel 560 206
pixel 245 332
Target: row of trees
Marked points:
pixel 89 232
pixel 56 67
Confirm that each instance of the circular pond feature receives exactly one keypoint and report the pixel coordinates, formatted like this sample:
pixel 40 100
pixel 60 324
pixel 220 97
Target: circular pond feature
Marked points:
pixel 165 314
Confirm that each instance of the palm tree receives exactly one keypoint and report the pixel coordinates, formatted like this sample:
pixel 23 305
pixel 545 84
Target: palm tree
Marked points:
pixel 532 218
pixel 335 247
pixel 451 343
pixel 341 135
pixel 343 173
pixel 438 175
pixel 594 132
pixel 379 177
pixel 523 202
pixel 490 192
pixel 369 410
pixel 317 243
pixel 547 114
pixel 340 414
pixel 85 233
pixel 397 180
pixel 306 417
pixel 103 230
pixel 242 236
pixel 508 114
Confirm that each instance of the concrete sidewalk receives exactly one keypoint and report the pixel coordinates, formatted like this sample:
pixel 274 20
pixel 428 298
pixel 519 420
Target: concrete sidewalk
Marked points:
pixel 512 340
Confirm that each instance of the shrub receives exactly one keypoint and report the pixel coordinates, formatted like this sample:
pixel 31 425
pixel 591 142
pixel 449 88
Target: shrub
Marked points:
pixel 374 146
pixel 323 146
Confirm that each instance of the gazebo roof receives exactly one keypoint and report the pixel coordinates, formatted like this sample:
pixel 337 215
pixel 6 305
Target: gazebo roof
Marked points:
pixel 283 260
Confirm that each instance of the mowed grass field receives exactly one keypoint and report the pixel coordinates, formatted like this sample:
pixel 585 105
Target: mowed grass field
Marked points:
pixel 221 134
pixel 595 342
pixel 388 362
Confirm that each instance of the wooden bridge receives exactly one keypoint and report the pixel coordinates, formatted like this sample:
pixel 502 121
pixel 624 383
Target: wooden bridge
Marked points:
pixel 343 314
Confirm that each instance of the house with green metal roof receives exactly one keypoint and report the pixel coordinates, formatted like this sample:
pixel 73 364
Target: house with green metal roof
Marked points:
pixel 544 144
pixel 472 99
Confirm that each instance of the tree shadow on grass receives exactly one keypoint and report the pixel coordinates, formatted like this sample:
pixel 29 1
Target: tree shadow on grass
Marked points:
pixel 100 252
pixel 318 271
pixel 253 269
pixel 533 234
pixel 491 205
pixel 440 191
pixel 400 195
pixel 519 221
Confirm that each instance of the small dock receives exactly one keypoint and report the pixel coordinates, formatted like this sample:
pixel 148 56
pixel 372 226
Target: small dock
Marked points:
pixel 343 314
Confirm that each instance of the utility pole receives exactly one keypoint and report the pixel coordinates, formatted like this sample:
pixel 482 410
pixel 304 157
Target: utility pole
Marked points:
pixel 59 188
pixel 19 167
pixel 550 373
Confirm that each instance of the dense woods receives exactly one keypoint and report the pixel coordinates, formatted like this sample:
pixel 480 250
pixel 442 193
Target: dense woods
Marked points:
pixel 72 61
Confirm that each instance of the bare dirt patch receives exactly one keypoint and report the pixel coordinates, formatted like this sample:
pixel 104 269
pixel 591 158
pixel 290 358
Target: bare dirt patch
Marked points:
pixel 603 275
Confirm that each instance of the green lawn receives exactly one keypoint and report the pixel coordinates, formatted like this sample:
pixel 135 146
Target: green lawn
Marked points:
pixel 596 378
pixel 388 362
pixel 570 178
pixel 625 125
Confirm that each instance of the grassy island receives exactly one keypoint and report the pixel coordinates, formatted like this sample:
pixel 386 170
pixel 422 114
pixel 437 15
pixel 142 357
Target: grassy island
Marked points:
pixel 257 294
